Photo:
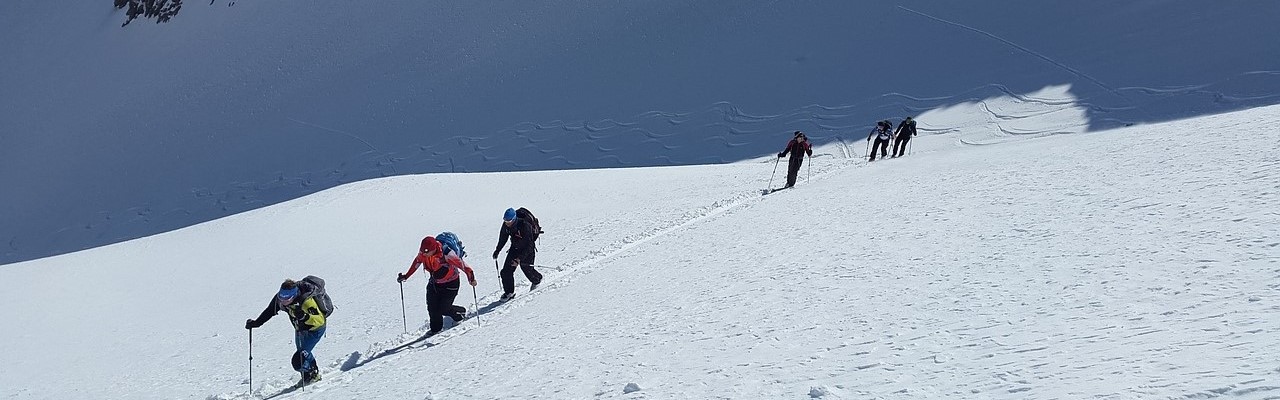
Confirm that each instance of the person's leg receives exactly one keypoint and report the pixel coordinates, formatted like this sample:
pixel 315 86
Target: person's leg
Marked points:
pixel 509 274
pixel 449 293
pixel 526 266
pixel 435 306
pixel 793 170
pixel 304 361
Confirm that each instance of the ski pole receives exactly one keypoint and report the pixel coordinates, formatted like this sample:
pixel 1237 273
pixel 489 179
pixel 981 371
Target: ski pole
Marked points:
pixel 909 146
pixel 476 304
pixel 251 360
pixel 775 172
pixel 867 154
pixel 809 160
pixel 404 317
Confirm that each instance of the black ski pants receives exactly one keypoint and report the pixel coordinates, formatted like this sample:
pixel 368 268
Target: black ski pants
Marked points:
pixel 883 145
pixel 900 145
pixel 440 303
pixel 793 169
pixel 526 265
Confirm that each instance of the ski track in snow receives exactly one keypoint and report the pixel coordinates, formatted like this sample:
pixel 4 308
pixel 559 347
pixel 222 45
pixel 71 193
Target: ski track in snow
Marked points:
pixel 1076 324
pixel 1068 68
pixel 555 277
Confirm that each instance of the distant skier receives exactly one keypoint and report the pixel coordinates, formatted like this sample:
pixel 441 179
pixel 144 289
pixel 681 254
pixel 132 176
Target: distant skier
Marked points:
pixel 798 147
pixel 906 129
pixel 299 300
pixel 523 231
pixel 882 133
pixel 442 285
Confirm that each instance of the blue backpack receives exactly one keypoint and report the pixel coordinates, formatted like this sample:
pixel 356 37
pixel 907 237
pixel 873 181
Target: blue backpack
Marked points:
pixel 450 242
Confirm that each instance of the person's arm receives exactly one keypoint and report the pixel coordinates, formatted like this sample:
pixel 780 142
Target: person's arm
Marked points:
pixel 808 147
pixel 786 150
pixel 462 264
pixel 270 311
pixel 471 275
pixel 412 268
pixel 502 241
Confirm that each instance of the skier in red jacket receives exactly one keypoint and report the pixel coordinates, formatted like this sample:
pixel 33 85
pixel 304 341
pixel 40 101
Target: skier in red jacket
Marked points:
pixel 442 286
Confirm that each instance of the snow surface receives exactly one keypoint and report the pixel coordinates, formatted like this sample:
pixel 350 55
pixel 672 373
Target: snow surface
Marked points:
pixel 109 133
pixel 1140 262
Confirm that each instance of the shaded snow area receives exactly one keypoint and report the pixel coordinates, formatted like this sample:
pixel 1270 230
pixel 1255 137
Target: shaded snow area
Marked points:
pixel 109 133
pixel 1139 262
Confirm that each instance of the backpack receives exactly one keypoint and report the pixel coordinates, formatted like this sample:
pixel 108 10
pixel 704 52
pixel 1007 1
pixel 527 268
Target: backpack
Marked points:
pixel 451 242
pixel 523 213
pixel 322 299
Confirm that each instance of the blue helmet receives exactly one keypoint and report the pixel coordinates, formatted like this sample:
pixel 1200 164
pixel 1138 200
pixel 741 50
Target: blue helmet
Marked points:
pixel 509 215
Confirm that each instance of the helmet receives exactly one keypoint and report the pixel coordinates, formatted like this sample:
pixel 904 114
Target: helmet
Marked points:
pixel 429 244
pixel 509 215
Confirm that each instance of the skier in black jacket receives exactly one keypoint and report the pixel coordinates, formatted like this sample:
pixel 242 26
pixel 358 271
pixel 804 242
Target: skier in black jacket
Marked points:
pixel 906 129
pixel 522 252
pixel 798 147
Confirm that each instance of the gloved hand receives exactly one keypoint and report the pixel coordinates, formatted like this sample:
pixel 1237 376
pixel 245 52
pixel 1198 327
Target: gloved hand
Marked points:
pixel 250 324
pixel 495 253
pixel 779 155
pixel 400 278
pixel 473 282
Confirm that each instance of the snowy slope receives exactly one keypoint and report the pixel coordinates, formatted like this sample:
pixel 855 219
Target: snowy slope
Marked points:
pixel 1141 262
pixel 109 133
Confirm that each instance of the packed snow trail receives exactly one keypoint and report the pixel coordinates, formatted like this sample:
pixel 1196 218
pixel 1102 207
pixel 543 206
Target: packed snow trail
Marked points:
pixel 1117 265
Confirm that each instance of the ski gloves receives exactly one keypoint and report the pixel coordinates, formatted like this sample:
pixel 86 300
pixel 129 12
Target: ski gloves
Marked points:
pixel 400 278
pixel 250 324
pixel 495 253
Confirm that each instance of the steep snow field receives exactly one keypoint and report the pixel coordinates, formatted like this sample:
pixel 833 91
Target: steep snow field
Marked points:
pixel 1140 262
pixel 109 134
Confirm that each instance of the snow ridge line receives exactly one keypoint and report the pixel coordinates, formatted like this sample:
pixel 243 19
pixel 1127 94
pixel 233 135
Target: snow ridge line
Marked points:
pixel 1024 49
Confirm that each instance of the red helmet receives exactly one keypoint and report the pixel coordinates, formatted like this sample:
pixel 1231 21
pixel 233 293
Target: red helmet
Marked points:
pixel 429 243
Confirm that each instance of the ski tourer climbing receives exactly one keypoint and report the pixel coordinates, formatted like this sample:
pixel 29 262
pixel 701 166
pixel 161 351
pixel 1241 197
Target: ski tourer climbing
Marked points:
pixel 882 133
pixel 799 148
pixel 906 129
pixel 523 230
pixel 442 285
pixel 307 306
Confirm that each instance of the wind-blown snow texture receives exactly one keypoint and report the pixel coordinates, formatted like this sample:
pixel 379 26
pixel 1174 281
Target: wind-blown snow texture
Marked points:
pixel 1140 262
pixel 110 133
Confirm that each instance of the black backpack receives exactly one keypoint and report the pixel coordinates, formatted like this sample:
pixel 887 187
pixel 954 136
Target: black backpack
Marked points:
pixel 523 213
pixel 322 299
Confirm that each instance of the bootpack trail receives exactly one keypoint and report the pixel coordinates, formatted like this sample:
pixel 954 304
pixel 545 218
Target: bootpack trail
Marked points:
pixel 337 372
